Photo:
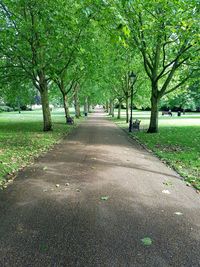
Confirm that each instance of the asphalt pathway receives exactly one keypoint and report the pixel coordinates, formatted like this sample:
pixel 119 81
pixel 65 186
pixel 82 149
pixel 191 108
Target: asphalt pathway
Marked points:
pixel 92 199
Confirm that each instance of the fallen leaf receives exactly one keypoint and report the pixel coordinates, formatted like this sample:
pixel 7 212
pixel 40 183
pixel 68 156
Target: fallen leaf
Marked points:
pixel 43 247
pixel 104 197
pixel 45 168
pixel 178 213
pixel 166 192
pixel 146 241
pixel 168 183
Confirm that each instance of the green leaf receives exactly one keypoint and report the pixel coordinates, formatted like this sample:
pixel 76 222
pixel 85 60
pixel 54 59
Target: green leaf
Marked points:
pixel 146 241
pixel 168 183
pixel 105 198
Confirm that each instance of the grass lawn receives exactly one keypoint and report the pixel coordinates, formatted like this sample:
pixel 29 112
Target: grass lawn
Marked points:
pixel 22 139
pixel 177 143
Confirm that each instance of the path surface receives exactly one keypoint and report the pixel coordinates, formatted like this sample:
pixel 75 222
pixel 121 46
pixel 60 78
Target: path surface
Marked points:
pixel 45 225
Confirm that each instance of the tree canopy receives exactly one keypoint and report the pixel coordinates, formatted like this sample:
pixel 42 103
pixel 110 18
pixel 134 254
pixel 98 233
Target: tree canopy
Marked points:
pixel 86 50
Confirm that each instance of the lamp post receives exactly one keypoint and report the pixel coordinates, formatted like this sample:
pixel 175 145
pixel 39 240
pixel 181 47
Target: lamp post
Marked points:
pixel 132 77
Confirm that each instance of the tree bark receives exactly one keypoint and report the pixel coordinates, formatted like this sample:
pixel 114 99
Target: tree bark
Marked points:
pixel 127 109
pixel 65 105
pixel 76 102
pixel 64 96
pixel 45 107
pixel 153 127
pixel 110 107
pixel 119 109
pixel 86 105
pixel 113 110
pixel 107 106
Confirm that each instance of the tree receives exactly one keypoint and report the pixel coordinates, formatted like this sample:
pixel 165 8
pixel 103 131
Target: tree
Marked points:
pixel 34 38
pixel 167 36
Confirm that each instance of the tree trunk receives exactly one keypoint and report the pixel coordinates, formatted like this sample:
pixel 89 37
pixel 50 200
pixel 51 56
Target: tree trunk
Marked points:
pixel 65 105
pixel 113 110
pixel 127 109
pixel 119 109
pixel 153 127
pixel 76 102
pixel 45 107
pixel 64 96
pixel 86 106
pixel 107 106
pixel 110 108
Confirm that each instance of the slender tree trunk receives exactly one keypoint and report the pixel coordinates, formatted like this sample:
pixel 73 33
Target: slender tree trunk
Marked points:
pixel 65 105
pixel 113 110
pixel 76 102
pixel 45 107
pixel 86 105
pixel 64 97
pixel 110 108
pixel 78 110
pixel 119 109
pixel 107 106
pixel 127 109
pixel 153 127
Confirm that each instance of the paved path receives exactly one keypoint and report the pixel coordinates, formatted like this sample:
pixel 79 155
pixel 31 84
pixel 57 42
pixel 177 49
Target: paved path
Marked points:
pixel 45 225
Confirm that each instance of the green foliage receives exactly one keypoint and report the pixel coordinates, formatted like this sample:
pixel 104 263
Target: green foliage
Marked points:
pixel 147 241
pixel 189 98
pixel 95 44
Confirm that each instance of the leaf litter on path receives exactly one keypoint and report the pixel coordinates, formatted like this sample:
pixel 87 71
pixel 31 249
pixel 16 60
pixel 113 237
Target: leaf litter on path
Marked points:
pixel 178 213
pixel 166 192
pixel 168 183
pixel 147 241
pixel 105 198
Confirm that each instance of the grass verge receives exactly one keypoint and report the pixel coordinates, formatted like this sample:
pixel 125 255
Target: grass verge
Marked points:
pixel 177 143
pixel 22 140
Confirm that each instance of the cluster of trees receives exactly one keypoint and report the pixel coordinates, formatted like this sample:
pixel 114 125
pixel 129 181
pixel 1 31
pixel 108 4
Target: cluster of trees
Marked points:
pixel 188 99
pixel 87 49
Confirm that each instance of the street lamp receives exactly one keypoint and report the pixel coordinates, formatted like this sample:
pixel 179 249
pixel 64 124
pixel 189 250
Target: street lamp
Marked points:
pixel 132 78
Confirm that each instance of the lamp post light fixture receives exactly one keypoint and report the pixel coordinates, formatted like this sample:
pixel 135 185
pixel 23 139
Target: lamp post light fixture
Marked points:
pixel 132 79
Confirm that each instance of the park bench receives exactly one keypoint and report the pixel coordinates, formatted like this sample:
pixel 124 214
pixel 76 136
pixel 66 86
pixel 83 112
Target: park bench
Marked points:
pixel 70 120
pixel 167 113
pixel 136 125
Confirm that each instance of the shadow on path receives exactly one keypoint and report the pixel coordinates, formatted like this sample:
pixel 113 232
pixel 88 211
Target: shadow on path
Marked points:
pixel 53 214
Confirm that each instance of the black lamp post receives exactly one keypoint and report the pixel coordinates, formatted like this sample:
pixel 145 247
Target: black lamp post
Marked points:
pixel 132 77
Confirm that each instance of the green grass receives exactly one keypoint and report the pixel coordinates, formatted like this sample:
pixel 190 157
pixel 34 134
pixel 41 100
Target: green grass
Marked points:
pixel 177 142
pixel 22 139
